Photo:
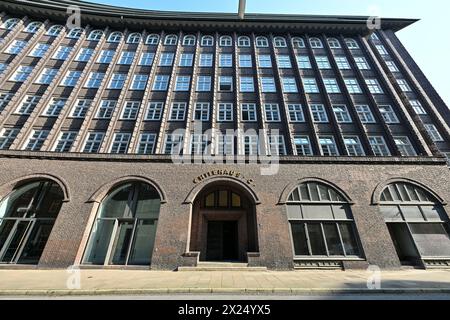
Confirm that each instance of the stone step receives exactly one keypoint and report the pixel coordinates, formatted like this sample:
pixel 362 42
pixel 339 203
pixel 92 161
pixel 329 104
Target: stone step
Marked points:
pixel 225 266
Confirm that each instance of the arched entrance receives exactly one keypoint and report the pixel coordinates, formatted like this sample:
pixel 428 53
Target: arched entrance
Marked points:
pixel 27 216
pixel 223 225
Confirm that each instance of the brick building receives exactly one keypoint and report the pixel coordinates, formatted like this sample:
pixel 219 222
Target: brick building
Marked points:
pixel 92 119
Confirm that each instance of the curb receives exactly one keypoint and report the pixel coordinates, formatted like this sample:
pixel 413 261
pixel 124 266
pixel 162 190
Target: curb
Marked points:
pixel 236 291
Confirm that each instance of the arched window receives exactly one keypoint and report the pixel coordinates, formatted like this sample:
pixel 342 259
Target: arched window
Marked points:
pixel 334 43
pixel 125 227
pixel 134 38
pixel 262 42
pixel 207 41
pixel 279 42
pixel 10 23
pixel 351 44
pixel 189 40
pixel 417 223
pixel 33 27
pixel 244 41
pixel 115 36
pixel 55 30
pixel 315 43
pixel 27 216
pixel 171 40
pixel 95 35
pixel 321 223
pixel 222 199
pixel 226 41
pixel 75 33
pixel 152 39
pixel 298 42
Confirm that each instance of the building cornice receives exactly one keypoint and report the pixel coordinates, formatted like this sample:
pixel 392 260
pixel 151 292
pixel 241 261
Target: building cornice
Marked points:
pixel 136 19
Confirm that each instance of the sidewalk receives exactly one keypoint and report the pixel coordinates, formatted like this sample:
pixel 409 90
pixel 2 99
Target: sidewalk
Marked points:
pixel 120 282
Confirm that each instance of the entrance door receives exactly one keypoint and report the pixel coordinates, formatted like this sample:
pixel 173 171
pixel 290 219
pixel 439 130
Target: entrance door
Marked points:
pixel 404 244
pixel 222 241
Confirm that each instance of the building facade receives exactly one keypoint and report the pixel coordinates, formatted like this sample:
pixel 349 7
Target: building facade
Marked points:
pixel 163 140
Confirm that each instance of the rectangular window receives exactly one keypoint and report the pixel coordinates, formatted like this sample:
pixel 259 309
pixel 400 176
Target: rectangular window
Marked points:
pixel 120 143
pixel 39 50
pixel 268 85
pixel 7 137
pixel 146 143
pixel 161 83
pixel 106 56
pixel 304 62
pixel 284 62
pixel 225 113
pixel 186 60
pixel 381 50
pixel 147 59
pixel 71 78
pixel 342 114
pixel 303 146
pixel 352 86
pixel 154 111
pixel 93 142
pixel 174 144
pixel 361 63
pixel 289 85
pixel 178 111
pixel 328 146
pixel 405 147
pixel 434 133
pixel 248 112
pixel 276 145
pixel 404 86
pixel 5 98
pixel 388 114
pixel 331 85
pixel 3 67
pixel 353 146
pixel 225 144
pixel 16 47
pixel 47 75
pixel 342 63
pixel 272 112
pixel 117 81
pixel 226 60
pixel 226 84
pixel 379 146
pixel 251 144
pixel 310 85
pixel 130 110
pixel 62 53
pixel 374 86
pixel 365 114
pixel 203 83
pixel 183 83
pixel 80 109
pixel 106 109
pixel 36 140
pixel 206 60
pixel 139 82
pixel 264 61
pixel 166 59
pixel 65 141
pixel 392 66
pixel 201 112
pixel 28 104
pixel 21 74
pixel 245 61
pixel 95 80
pixel 199 143
pixel 84 55
pixel 322 62
pixel 296 113
pixel 417 106
pixel 318 113
pixel 54 107
pixel 246 84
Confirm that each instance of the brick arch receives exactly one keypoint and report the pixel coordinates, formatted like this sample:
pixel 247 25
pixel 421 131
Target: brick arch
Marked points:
pixel 290 188
pixel 7 188
pixel 376 195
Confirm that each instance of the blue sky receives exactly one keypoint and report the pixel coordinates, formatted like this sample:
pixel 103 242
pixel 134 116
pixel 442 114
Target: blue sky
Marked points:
pixel 425 45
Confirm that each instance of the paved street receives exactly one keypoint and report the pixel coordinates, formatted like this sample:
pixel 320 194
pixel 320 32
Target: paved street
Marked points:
pixel 289 283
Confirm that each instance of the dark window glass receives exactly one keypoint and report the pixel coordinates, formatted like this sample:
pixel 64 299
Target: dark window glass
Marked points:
pixel 299 238
pixel 349 239
pixel 333 241
pixel 316 239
